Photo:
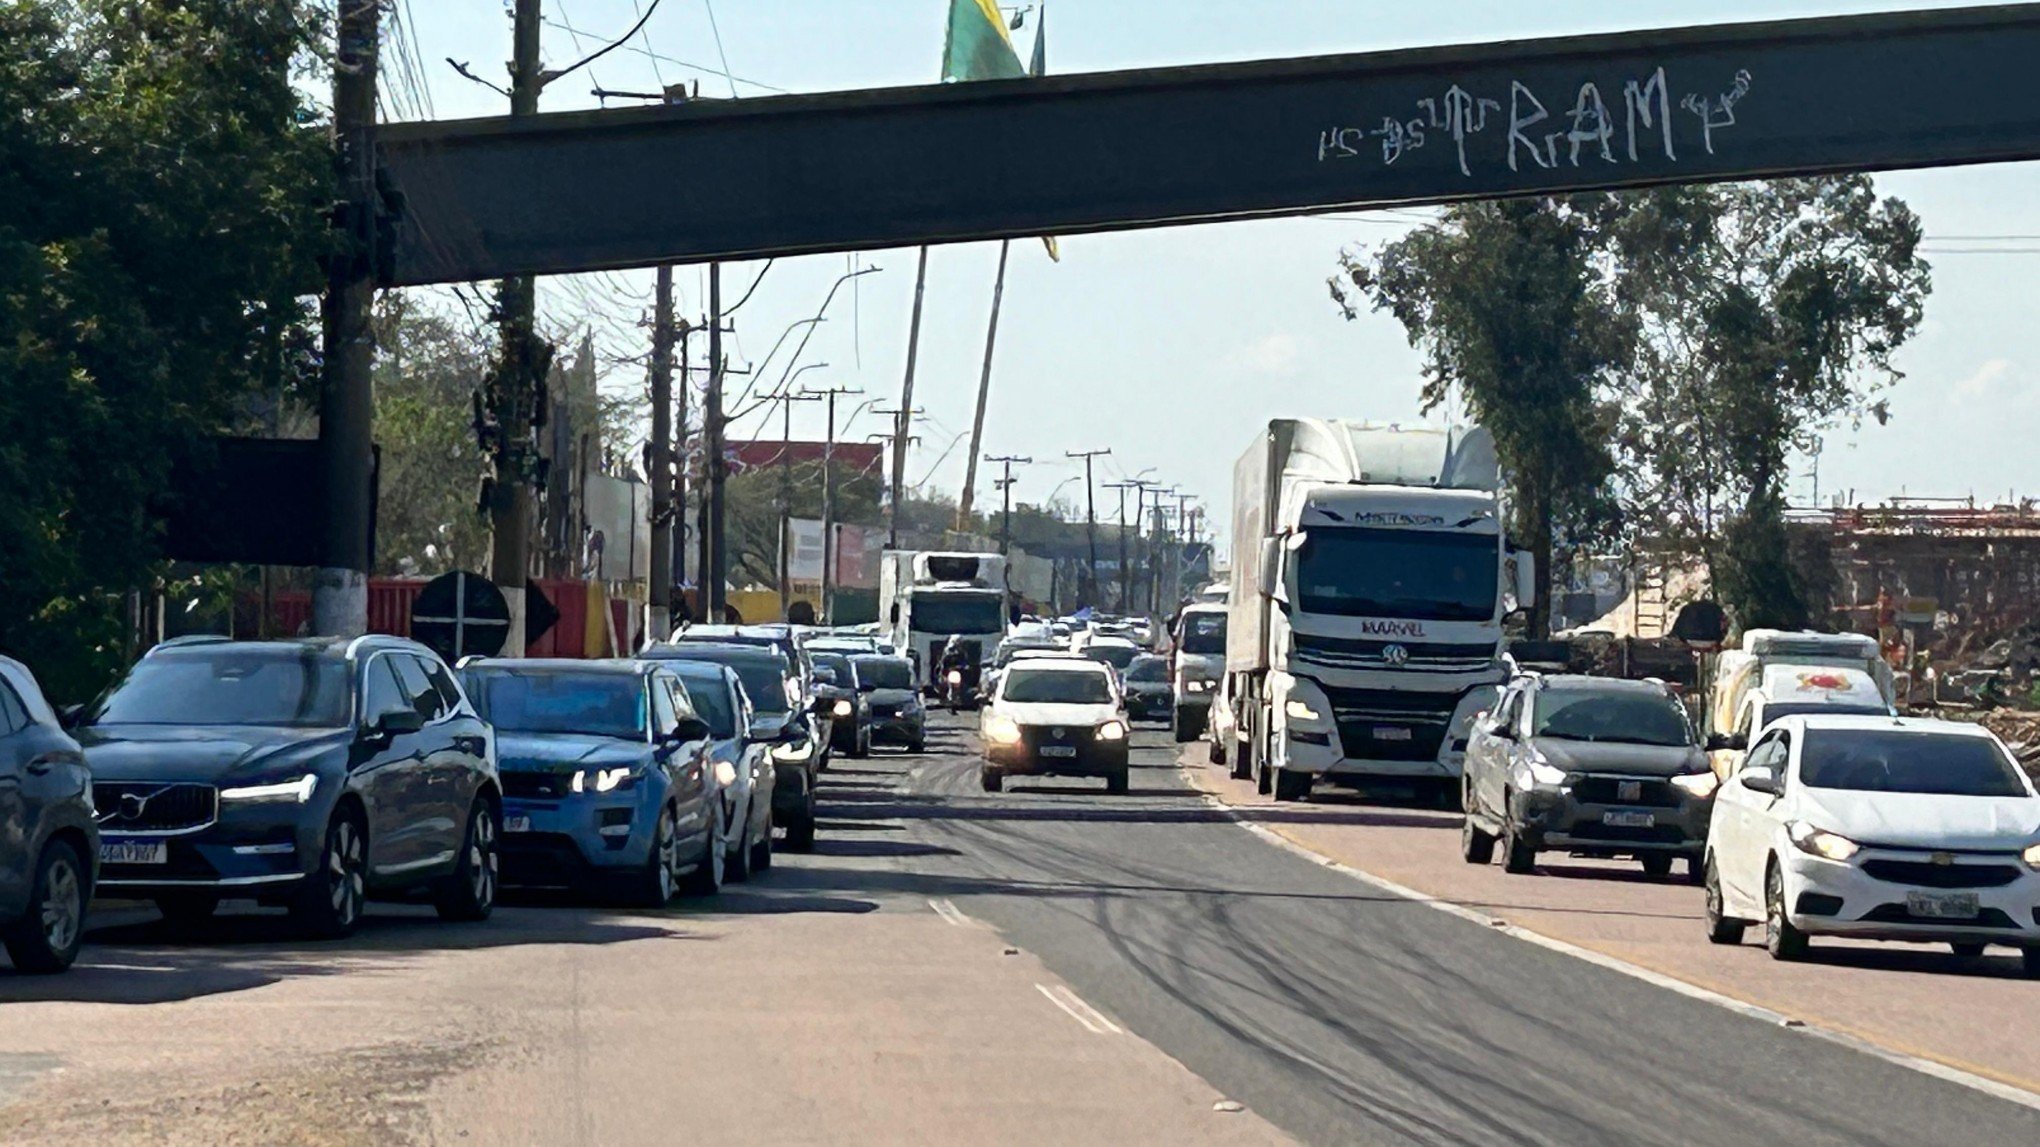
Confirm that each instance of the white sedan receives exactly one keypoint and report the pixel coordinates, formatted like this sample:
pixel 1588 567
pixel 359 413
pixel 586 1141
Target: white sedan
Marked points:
pixel 1878 828
pixel 1055 716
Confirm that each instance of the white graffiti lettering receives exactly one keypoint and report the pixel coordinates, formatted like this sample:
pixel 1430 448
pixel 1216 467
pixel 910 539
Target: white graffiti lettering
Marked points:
pixel 1721 112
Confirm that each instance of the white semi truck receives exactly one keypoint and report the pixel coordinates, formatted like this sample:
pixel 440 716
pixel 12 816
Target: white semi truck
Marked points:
pixel 1371 574
pixel 925 597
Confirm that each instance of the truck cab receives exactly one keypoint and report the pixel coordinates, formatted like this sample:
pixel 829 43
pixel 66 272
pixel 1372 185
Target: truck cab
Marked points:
pixel 927 597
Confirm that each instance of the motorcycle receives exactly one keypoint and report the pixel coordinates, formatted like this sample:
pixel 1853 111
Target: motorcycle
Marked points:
pixel 959 689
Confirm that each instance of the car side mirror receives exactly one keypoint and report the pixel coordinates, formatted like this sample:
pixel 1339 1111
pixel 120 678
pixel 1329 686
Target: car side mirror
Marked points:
pixel 69 716
pixel 397 720
pixel 793 732
pixel 1760 780
pixel 689 729
pixel 1727 742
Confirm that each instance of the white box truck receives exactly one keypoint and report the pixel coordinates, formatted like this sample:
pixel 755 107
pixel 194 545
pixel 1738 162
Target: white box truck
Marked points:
pixel 1371 575
pixel 927 596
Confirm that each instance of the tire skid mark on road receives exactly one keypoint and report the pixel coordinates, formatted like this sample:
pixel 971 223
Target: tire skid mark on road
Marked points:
pixel 947 909
pixel 1974 1077
pixel 1094 1021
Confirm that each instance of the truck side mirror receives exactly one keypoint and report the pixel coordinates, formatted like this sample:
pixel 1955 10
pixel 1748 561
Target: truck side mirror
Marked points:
pixel 1269 572
pixel 1525 566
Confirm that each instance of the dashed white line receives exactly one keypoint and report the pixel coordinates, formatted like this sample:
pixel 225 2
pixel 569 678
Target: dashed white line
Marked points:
pixel 1094 1021
pixel 948 910
pixel 1921 1064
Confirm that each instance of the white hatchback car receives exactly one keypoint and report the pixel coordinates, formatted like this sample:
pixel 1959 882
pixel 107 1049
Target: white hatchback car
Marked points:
pixel 1879 828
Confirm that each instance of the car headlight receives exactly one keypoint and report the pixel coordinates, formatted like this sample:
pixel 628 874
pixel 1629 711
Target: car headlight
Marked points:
pixel 1820 842
pixel 1301 711
pixel 1544 774
pixel 602 780
pixel 298 790
pixel 844 709
pixel 725 773
pixel 1112 731
pixel 2031 856
pixel 1701 784
pixel 1197 686
pixel 1002 730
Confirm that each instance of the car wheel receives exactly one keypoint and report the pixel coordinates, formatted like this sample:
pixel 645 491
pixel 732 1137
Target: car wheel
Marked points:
pixel 1292 786
pixel 800 831
pixel 918 743
pixel 1475 845
pixel 1656 865
pixel 1517 855
pixel 1721 929
pixel 739 863
pixel 1180 728
pixel 470 892
pixel 707 877
pixel 2030 963
pixel 188 907
pixel 329 905
pixel 1696 870
pixel 761 846
pixel 991 780
pixel 1966 949
pixel 1215 751
pixel 47 936
pixel 1781 939
pixel 1116 784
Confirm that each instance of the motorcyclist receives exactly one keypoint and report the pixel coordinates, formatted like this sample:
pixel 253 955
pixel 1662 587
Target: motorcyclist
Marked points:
pixel 953 670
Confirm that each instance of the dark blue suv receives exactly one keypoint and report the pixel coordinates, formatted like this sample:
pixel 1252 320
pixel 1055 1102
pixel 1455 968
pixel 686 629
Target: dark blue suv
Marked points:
pixel 305 774
pixel 48 845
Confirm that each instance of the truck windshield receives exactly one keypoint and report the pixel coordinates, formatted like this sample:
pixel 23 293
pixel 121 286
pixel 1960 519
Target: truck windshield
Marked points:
pixel 1412 574
pixel 1204 633
pixel 959 613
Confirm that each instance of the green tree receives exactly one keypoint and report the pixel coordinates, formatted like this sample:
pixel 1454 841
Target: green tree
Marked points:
pixel 427 518
pixel 161 195
pixel 1767 312
pixel 1513 314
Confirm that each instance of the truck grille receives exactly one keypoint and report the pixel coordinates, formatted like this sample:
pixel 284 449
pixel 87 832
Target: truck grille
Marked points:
pixel 1366 653
pixel 1389 725
pixel 152 806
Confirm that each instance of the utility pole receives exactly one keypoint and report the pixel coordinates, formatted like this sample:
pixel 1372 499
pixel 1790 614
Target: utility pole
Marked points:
pixel 1006 485
pixel 1141 487
pixel 522 372
pixel 1176 551
pixel 346 406
pixel 828 614
pixel 903 422
pixel 1088 592
pixel 678 575
pixel 786 401
pixel 714 571
pixel 1125 571
pixel 659 614
pixel 977 424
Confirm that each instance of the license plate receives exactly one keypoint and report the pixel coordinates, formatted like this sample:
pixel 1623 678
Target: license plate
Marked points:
pixel 1629 819
pixel 1393 733
pixel 516 824
pixel 1058 750
pixel 134 852
pixel 1942 905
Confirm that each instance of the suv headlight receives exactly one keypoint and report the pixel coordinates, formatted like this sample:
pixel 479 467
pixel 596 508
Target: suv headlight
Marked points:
pixel 601 780
pixel 2031 856
pixel 1001 729
pixel 1112 731
pixel 1301 710
pixel 1543 773
pixel 298 789
pixel 1820 842
pixel 1700 785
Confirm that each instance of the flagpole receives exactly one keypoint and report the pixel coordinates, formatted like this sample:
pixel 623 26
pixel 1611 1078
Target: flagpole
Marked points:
pixel 977 425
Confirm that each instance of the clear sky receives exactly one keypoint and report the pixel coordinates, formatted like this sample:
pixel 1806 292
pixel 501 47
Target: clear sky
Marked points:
pixel 1169 345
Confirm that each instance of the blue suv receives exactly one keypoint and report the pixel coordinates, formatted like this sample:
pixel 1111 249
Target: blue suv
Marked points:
pixel 49 847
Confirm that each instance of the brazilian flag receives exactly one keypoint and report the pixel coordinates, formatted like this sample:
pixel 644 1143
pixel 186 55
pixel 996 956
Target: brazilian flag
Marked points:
pixel 978 47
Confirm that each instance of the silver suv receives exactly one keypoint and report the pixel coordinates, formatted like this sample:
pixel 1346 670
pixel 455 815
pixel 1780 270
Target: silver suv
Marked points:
pixel 1592 766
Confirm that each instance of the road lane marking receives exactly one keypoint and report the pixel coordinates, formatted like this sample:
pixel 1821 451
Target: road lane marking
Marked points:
pixel 1974 1078
pixel 1093 1020
pixel 948 910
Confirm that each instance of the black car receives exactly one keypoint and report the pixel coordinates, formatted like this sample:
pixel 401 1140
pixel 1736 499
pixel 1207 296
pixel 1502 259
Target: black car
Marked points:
pixel 49 847
pixel 801 668
pixel 796 748
pixel 1150 696
pixel 307 774
pixel 849 708
pixel 897 714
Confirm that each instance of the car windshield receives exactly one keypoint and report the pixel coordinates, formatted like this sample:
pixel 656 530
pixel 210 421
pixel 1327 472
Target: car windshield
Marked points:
pixel 763 674
pixel 1204 633
pixel 282 686
pixel 1154 669
pixel 884 673
pixel 958 613
pixel 1778 709
pixel 1012 649
pixel 1628 717
pixel 1415 574
pixel 846 678
pixel 592 704
pixel 1117 656
pixel 1057 687
pixel 1907 761
pixel 712 701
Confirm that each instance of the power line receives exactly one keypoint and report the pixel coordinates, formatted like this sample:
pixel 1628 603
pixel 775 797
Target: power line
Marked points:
pixel 605 49
pixel 675 60
pixel 720 54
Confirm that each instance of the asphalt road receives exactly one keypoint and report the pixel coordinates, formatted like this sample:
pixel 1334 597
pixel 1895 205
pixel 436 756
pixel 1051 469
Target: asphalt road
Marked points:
pixel 1342 1014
